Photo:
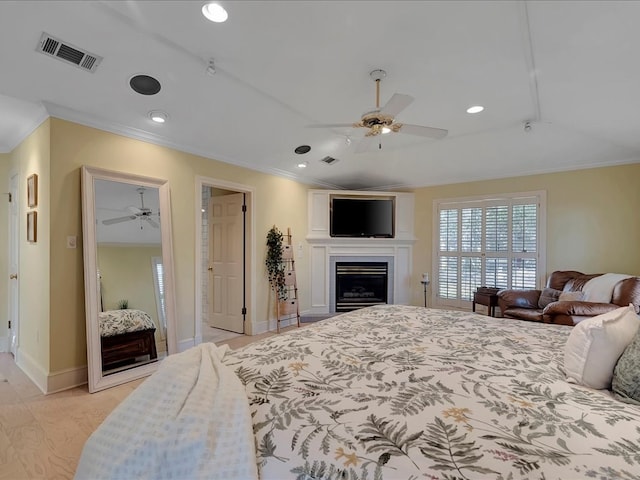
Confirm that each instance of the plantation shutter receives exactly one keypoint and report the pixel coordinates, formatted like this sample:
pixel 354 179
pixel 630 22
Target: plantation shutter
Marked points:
pixel 158 283
pixel 487 242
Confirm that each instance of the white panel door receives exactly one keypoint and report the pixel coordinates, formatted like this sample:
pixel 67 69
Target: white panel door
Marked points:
pixel 226 276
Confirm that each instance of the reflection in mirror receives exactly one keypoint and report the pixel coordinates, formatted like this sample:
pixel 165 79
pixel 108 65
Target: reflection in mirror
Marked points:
pixel 128 275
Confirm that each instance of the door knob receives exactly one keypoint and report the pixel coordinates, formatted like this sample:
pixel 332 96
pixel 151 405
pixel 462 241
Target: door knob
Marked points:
pixel 210 269
pixel 13 276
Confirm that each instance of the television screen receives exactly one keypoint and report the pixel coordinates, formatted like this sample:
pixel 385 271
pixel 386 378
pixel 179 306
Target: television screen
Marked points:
pixel 362 217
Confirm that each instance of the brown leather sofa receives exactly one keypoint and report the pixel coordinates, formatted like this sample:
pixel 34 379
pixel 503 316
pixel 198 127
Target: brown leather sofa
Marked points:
pixel 543 306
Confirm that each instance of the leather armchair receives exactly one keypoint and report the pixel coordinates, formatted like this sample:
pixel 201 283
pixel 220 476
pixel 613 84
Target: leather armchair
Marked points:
pixel 528 304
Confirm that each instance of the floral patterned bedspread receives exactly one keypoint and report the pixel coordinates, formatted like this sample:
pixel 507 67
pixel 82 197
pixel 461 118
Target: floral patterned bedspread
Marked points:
pixel 398 392
pixel 115 322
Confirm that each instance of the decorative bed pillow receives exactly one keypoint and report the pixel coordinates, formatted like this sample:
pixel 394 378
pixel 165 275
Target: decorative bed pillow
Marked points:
pixel 626 376
pixel 570 296
pixel 595 345
pixel 547 296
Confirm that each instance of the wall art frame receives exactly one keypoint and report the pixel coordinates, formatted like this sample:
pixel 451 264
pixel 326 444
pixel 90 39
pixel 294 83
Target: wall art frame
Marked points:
pixel 32 190
pixel 32 227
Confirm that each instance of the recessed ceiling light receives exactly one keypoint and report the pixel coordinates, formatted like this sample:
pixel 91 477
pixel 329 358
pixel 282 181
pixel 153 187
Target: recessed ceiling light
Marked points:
pixel 144 84
pixel 158 116
pixel 475 109
pixel 302 149
pixel 303 164
pixel 214 12
pixel 385 130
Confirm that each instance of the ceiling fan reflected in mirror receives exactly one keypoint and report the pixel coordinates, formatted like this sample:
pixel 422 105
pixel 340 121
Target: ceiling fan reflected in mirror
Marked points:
pixel 143 213
pixel 382 120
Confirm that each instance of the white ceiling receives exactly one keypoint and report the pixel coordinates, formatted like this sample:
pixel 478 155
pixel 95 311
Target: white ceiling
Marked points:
pixel 570 67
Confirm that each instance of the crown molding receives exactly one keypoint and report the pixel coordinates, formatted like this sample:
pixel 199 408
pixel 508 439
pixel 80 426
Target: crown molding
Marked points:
pixel 75 116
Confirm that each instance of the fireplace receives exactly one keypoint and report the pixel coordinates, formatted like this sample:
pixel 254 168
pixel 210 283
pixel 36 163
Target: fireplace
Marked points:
pixel 360 284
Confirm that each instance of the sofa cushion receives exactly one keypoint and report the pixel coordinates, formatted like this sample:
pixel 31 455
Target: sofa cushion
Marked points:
pixel 559 278
pixel 548 296
pixel 595 345
pixel 626 375
pixel 533 314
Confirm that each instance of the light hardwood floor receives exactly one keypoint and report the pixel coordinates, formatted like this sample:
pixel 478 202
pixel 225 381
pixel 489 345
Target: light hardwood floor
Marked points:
pixel 41 436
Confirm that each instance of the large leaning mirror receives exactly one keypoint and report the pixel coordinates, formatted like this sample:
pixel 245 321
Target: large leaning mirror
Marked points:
pixel 128 275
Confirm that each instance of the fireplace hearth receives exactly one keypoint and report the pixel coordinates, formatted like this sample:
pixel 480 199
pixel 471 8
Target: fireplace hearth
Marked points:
pixel 360 284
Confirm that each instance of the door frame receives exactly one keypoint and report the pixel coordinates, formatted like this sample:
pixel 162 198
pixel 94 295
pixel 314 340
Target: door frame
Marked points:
pixel 13 253
pixel 250 252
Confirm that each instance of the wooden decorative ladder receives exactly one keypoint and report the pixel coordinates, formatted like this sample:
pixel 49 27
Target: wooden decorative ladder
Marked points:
pixel 289 307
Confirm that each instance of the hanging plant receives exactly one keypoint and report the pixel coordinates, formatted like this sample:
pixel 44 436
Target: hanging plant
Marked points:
pixel 274 263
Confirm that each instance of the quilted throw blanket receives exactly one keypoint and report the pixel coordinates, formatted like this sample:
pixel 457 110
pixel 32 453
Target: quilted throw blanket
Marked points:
pixel 115 322
pixel 398 392
pixel 188 420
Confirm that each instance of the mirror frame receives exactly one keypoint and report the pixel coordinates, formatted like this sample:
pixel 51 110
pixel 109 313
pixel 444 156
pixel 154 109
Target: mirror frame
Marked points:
pixel 96 380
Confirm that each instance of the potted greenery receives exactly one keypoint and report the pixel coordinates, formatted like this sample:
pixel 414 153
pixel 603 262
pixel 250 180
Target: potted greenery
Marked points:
pixel 274 263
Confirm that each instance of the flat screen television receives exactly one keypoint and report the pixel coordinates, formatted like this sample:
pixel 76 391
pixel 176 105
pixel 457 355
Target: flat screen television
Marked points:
pixel 362 217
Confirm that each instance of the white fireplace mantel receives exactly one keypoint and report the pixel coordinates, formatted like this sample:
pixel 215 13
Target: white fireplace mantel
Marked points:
pixel 323 247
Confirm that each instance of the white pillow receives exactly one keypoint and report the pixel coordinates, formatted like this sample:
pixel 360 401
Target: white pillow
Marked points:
pixel 595 345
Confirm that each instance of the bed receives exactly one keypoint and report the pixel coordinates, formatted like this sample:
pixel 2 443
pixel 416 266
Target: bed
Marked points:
pixel 386 392
pixel 125 335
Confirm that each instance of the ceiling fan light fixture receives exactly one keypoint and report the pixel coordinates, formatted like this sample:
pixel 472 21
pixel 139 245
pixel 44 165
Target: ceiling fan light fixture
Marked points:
pixel 386 130
pixel 158 116
pixel 475 109
pixel 214 12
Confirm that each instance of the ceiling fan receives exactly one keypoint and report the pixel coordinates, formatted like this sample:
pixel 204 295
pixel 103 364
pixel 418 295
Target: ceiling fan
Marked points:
pixel 143 213
pixel 382 120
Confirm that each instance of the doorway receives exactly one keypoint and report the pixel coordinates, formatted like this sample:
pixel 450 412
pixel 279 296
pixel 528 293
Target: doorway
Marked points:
pixel 224 300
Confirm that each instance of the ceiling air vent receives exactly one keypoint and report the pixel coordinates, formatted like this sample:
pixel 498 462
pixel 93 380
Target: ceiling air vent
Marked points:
pixel 66 52
pixel 329 160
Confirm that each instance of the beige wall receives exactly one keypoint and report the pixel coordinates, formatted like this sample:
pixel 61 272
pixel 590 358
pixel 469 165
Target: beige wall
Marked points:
pixel 592 218
pixel 33 156
pixel 277 200
pixel 5 163
pixel 127 274
pixel 591 226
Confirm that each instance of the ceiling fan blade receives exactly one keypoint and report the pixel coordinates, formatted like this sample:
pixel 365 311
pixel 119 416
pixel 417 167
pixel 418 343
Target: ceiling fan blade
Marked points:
pixel 366 144
pixel 153 223
pixel 134 210
pixel 331 125
pixel 421 131
pixel 396 104
pixel 111 221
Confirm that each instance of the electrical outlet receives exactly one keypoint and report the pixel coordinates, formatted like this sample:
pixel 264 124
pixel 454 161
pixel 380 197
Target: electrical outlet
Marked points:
pixel 72 241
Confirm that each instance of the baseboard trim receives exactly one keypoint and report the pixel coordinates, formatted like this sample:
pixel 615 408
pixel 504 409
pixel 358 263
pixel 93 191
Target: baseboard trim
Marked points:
pixel 4 344
pixel 272 325
pixel 51 382
pixel 186 344
pixel 67 379
pixel 32 370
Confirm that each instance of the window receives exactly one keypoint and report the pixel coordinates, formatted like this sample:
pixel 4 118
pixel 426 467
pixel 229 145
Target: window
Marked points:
pixel 158 283
pixel 489 241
